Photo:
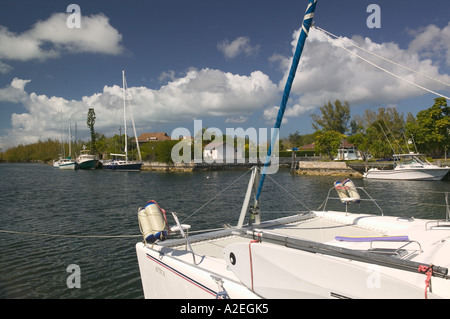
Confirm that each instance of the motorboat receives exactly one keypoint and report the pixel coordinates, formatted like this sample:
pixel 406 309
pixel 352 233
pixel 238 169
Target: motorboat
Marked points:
pixel 86 160
pixel 409 166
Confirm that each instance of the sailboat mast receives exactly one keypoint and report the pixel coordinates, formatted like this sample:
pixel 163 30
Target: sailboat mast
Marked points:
pixel 307 22
pixel 70 140
pixel 124 115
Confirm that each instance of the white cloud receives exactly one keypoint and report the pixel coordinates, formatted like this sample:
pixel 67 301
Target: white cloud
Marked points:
pixel 167 75
pixel 328 72
pixel 432 42
pixel 240 45
pixel 15 92
pixel 50 38
pixel 197 95
pixel 5 68
pixel 238 119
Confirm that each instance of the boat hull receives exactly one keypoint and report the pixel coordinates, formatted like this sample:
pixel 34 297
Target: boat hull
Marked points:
pixel 164 276
pixel 90 164
pixel 68 166
pixel 425 174
pixel 122 167
pixel 303 275
pixel 262 268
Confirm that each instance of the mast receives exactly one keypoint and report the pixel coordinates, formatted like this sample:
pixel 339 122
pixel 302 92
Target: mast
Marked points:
pixel 307 22
pixel 70 140
pixel 125 88
pixel 124 116
pixel 63 148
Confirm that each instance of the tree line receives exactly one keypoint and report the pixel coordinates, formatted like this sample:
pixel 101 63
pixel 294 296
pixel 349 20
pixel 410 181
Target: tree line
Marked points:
pixel 379 133
pixel 51 149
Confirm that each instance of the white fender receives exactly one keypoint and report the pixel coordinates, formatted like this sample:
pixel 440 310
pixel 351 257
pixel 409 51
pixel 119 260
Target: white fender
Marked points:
pixel 347 191
pixel 152 223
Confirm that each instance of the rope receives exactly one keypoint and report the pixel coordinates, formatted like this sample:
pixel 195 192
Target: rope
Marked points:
pixel 383 69
pixel 428 271
pixel 216 196
pixel 251 261
pixel 68 236
pixel 383 58
pixel 289 193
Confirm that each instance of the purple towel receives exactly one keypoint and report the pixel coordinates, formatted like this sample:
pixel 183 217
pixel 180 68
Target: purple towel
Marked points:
pixel 372 238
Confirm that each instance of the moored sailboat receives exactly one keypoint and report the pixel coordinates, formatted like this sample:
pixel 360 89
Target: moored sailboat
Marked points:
pixel 120 162
pixel 68 163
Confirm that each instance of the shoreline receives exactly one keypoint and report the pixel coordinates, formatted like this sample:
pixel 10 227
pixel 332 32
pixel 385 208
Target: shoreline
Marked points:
pixel 302 167
pixel 319 168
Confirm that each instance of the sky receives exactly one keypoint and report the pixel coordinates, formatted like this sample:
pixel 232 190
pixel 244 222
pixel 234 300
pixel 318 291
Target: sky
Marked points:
pixel 222 62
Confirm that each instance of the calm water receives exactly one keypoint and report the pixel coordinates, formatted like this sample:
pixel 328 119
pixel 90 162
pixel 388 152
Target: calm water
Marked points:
pixel 36 198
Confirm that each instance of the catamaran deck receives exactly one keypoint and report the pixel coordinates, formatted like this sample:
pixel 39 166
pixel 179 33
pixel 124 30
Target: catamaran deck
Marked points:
pixel 307 227
pixel 346 243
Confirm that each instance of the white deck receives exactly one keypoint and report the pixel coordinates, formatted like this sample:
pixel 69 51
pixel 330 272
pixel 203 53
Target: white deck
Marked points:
pixel 170 264
pixel 315 229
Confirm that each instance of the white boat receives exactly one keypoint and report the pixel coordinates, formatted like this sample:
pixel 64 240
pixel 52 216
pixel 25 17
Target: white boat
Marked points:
pixel 120 162
pixel 86 160
pixel 412 166
pixel 317 254
pixel 67 164
pixel 56 163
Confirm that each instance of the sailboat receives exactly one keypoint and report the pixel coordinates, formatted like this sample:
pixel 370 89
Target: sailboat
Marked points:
pixel 68 163
pixel 317 254
pixel 121 162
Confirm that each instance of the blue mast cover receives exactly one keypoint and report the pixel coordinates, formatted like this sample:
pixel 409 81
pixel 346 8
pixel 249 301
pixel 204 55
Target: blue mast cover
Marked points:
pixel 307 22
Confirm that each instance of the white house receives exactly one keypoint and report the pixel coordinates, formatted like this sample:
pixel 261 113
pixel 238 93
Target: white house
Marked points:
pixel 347 152
pixel 222 152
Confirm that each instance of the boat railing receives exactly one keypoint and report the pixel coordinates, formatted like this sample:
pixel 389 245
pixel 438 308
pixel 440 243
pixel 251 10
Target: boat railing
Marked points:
pixel 347 202
pixel 438 224
pixel 441 223
pixel 398 251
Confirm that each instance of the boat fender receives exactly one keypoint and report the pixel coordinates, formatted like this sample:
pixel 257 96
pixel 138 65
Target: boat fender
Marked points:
pixel 153 222
pixel 347 191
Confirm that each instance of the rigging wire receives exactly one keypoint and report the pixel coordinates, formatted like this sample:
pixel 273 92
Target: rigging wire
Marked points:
pixel 293 196
pixel 329 35
pixel 198 209
pixel 68 236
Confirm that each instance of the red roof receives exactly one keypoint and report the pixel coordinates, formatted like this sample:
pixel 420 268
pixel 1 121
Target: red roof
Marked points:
pixel 149 137
pixel 308 147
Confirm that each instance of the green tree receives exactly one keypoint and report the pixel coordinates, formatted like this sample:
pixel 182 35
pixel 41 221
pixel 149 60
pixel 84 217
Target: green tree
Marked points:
pixel 379 133
pixel 327 142
pixel 90 123
pixel 160 151
pixel 332 118
pixel 431 129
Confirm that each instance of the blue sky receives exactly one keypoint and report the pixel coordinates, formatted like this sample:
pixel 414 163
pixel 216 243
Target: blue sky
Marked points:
pixel 222 62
